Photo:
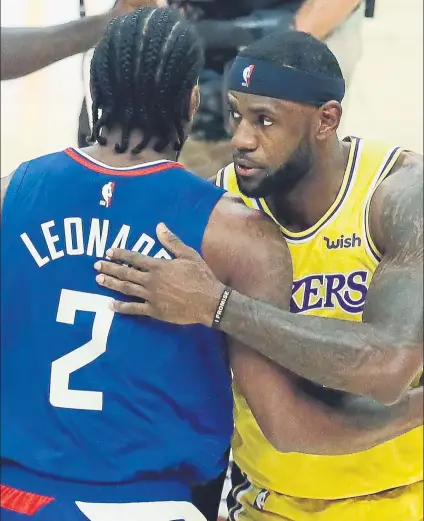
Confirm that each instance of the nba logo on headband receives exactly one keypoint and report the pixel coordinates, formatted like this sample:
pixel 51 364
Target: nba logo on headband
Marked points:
pixel 282 82
pixel 247 75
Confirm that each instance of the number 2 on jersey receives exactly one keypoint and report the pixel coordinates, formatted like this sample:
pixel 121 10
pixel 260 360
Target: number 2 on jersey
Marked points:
pixel 70 302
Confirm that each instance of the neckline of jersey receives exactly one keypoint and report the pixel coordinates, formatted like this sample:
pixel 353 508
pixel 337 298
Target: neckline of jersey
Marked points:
pixel 347 183
pixel 142 169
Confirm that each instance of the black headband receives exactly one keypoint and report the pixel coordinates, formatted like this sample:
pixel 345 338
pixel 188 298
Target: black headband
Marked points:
pixel 273 81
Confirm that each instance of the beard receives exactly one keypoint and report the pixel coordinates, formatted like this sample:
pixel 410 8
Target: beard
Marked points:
pixel 284 179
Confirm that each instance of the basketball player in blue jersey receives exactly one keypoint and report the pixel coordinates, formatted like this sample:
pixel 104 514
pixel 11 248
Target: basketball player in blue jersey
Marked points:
pixel 107 417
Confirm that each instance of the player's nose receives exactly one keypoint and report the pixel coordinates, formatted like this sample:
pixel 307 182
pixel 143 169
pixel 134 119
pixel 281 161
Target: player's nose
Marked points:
pixel 245 137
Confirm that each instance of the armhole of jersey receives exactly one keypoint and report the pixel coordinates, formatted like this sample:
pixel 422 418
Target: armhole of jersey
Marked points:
pixel 224 178
pixel 417 380
pixel 13 187
pixel 382 174
pixel 220 178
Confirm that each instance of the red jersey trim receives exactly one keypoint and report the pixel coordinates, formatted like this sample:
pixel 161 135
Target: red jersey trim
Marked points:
pixel 130 172
pixel 22 502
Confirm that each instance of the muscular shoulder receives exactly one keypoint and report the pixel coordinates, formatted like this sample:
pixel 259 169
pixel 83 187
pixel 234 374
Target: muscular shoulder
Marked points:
pixel 233 223
pixel 245 247
pixel 407 159
pixel 396 213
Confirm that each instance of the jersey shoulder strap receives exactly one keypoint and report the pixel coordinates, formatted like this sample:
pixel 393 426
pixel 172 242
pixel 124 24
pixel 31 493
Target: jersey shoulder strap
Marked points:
pixel 376 164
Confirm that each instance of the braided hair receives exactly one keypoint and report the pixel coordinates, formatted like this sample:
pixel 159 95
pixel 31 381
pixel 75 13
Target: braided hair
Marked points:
pixel 142 75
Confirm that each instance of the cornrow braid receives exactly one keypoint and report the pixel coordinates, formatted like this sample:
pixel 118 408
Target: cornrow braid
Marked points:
pixel 125 53
pixel 174 80
pixel 181 87
pixel 142 74
pixel 101 95
pixel 143 117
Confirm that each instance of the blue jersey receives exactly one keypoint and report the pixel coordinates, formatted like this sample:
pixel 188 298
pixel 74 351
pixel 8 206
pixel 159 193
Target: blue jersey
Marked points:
pixel 102 402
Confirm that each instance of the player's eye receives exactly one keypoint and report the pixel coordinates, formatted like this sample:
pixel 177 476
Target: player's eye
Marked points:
pixel 236 116
pixel 265 121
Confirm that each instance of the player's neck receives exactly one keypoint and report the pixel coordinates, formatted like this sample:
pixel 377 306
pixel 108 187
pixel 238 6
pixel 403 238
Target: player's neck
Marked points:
pixel 301 208
pixel 107 154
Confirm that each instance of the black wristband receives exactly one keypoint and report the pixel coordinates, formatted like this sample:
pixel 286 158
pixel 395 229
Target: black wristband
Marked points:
pixel 219 313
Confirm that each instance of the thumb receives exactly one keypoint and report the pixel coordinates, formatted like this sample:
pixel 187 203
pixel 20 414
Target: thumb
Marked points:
pixel 172 242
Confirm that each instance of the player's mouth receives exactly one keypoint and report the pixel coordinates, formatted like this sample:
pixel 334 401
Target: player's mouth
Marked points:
pixel 245 168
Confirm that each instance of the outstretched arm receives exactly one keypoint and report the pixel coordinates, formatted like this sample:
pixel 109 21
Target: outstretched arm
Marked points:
pixel 26 49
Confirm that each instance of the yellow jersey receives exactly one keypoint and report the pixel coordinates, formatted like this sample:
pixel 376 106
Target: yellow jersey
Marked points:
pixel 333 263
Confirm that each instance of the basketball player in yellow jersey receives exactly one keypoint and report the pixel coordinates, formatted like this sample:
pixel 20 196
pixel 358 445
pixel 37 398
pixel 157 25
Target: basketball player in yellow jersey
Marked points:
pixel 331 430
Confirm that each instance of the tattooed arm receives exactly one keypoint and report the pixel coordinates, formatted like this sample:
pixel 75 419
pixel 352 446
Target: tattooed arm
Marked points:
pixel 293 414
pixel 341 423
pixel 298 416
pixel 380 357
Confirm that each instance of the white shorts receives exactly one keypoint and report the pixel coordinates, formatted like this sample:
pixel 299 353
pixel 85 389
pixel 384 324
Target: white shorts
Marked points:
pixel 158 511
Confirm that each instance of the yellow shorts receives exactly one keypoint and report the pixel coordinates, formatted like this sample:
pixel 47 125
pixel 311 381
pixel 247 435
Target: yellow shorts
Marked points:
pixel 251 503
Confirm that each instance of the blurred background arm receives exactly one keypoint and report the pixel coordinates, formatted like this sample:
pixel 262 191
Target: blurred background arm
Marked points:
pixel 28 49
pixel 321 17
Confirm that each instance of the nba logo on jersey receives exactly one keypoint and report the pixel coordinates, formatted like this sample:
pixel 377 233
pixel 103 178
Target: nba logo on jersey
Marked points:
pixel 247 75
pixel 107 194
pixel 261 499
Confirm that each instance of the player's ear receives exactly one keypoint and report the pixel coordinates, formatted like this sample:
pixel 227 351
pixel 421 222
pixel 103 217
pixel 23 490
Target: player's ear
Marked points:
pixel 194 101
pixel 329 116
